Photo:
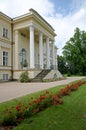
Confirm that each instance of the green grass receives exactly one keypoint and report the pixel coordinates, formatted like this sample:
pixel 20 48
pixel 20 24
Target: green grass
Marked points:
pixel 69 116
pixel 25 100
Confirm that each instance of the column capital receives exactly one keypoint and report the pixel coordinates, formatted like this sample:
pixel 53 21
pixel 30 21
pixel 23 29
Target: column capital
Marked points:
pixel 53 41
pixel 16 32
pixel 41 33
pixel 47 40
pixel 31 28
pixel 47 37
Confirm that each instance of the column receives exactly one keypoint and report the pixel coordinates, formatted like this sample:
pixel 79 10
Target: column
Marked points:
pixel 41 50
pixel 48 53
pixel 16 49
pixel 32 47
pixel 53 56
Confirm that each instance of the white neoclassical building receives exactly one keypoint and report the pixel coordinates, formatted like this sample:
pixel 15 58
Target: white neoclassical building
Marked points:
pixel 27 43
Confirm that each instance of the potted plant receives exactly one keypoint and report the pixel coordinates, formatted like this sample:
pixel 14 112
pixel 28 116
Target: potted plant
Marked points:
pixel 24 64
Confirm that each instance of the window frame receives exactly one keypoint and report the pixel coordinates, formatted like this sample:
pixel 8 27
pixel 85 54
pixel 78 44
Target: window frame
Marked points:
pixel 5 32
pixel 5 58
pixel 5 77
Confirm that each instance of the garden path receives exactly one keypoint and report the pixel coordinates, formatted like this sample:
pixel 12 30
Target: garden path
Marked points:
pixel 12 90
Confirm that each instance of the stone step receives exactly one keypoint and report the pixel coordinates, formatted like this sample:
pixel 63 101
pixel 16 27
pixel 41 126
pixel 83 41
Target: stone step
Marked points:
pixel 40 76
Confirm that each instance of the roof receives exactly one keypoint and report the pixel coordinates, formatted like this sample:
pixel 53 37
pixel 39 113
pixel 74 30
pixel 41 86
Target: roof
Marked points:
pixel 35 15
pixel 35 12
pixel 5 16
pixel 32 13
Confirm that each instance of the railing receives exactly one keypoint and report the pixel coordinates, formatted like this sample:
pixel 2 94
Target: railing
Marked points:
pixel 37 66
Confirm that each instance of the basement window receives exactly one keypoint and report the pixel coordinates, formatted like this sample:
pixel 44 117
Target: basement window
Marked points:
pixel 5 77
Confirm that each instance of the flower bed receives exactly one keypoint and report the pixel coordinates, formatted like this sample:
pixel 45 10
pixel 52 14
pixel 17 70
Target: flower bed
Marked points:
pixel 36 105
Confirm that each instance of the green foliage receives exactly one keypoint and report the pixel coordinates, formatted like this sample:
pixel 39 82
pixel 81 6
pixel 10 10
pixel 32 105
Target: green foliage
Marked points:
pixel 74 53
pixel 24 77
pixel 62 64
pixel 9 120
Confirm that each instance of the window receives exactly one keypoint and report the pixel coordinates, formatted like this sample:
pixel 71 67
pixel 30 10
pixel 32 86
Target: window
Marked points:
pixel 23 60
pixel 23 55
pixel 5 32
pixel 5 76
pixel 5 58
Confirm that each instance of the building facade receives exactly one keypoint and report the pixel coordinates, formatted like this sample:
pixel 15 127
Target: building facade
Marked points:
pixel 26 43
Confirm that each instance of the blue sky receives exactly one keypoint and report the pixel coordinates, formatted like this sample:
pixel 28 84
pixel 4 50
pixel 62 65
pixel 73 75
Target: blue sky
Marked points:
pixel 62 6
pixel 63 15
pixel 67 6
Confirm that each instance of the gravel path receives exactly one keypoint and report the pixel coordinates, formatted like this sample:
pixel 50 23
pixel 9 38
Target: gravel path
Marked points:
pixel 12 90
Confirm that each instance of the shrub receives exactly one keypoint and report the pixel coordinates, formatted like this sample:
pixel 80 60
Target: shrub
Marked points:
pixel 9 120
pixel 69 74
pixel 24 77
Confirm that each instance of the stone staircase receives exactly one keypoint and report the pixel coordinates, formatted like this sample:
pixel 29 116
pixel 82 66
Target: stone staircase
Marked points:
pixel 41 75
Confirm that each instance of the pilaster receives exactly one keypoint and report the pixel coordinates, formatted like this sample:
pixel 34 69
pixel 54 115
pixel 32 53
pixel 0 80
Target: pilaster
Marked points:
pixel 16 48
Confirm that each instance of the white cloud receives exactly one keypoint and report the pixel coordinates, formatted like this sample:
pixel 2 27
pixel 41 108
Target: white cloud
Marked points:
pixel 64 25
pixel 18 7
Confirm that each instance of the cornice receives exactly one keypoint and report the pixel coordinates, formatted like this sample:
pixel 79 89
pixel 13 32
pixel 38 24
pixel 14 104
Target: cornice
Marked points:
pixel 5 17
pixel 32 14
pixel 32 11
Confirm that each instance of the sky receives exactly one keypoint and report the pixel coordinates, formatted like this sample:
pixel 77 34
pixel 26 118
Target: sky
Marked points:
pixel 63 15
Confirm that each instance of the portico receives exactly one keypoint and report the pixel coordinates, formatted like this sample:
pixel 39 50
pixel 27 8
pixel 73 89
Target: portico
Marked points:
pixel 42 40
pixel 37 41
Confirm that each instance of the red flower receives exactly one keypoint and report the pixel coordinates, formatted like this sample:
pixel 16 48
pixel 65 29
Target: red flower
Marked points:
pixel 34 110
pixel 20 120
pixel 57 99
pixel 55 103
pixel 37 101
pixel 18 108
pixel 60 102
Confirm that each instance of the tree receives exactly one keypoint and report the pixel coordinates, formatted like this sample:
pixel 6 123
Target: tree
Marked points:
pixel 61 64
pixel 75 52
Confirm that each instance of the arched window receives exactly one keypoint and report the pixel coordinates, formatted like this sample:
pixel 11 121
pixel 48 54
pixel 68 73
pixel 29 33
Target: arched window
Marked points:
pixel 23 58
pixel 23 55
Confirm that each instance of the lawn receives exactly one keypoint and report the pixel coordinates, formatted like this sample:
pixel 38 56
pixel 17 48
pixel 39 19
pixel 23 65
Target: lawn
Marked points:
pixel 25 99
pixel 71 115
